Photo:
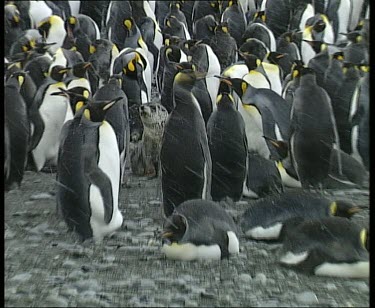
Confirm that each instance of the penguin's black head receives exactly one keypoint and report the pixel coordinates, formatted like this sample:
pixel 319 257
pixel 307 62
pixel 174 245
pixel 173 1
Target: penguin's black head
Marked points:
pixel 135 66
pixel 354 36
pixel 171 40
pixel 338 56
pixel 224 88
pixel 17 77
pixel 115 79
pixel 343 208
pixel 187 73
pixel 129 23
pixel 237 84
pixel 297 69
pixel 187 46
pixel 44 27
pixel 225 99
pixel 78 96
pixel 275 57
pixel 58 72
pixel 222 28
pixel 174 229
pixel 174 5
pixel 260 17
pixel 253 46
pixel 350 70
pixel 80 69
pixel 23 44
pixel 12 15
pixel 173 53
pixel 172 22
pixel 96 111
pixel 232 2
pixel 317 23
pixel 252 61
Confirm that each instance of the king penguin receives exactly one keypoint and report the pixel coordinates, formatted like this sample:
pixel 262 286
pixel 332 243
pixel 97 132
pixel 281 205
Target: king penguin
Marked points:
pixel 331 246
pixel 264 218
pixel 228 147
pixel 53 110
pixel 89 174
pixel 18 129
pixel 313 130
pixel 199 229
pixel 53 31
pixel 117 116
pixel 185 137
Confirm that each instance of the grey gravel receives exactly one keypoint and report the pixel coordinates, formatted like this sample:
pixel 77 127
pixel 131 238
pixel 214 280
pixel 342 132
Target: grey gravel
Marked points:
pixel 55 301
pixel 261 278
pixel 21 277
pixel 245 278
pixel 44 263
pixel 307 297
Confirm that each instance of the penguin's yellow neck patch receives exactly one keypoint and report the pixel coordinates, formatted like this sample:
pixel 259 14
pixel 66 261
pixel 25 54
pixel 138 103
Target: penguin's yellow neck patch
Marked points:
pixel 250 109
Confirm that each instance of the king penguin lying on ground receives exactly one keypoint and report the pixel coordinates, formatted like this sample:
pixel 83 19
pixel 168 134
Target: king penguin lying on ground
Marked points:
pixel 199 229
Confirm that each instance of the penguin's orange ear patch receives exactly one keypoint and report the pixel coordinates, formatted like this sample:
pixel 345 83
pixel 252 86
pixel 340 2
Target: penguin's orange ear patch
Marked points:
pixel 92 49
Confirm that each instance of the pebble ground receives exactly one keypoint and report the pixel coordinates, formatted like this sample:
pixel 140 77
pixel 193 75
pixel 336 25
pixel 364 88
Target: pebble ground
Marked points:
pixel 45 265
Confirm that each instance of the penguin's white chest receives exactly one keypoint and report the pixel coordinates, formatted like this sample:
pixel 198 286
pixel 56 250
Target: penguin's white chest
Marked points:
pixel 109 163
pixel 254 130
pixel 53 112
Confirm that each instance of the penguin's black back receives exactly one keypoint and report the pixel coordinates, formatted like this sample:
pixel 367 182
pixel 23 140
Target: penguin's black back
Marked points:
pixel 182 155
pixel 18 127
pixel 228 148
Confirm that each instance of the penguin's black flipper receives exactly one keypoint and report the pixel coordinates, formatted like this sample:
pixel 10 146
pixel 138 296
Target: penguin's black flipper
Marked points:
pixel 36 119
pixel 100 179
pixel 208 170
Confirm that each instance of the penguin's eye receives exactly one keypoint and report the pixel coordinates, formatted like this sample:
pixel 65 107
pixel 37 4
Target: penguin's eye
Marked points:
pixel 363 237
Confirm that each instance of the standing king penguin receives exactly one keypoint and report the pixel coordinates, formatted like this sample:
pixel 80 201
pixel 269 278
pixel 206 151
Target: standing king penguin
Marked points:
pixel 313 130
pixel 89 174
pixel 185 155
pixel 228 148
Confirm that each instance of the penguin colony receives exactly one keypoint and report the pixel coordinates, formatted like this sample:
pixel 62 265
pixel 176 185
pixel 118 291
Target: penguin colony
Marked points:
pixel 253 98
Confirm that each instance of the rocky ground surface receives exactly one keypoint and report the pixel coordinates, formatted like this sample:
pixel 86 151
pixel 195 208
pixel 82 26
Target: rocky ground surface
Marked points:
pixel 45 265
